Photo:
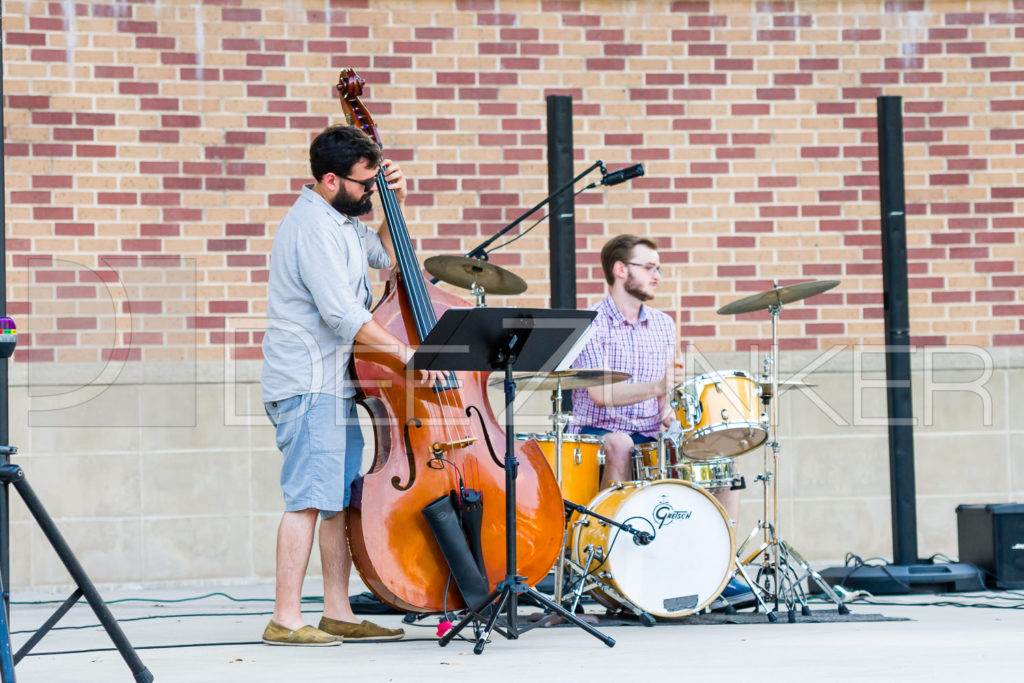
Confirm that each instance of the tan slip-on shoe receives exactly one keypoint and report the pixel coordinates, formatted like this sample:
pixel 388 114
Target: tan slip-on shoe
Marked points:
pixel 365 630
pixel 307 636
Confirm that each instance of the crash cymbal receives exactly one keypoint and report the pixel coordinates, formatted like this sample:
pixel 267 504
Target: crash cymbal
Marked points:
pixel 567 379
pixel 463 271
pixel 777 296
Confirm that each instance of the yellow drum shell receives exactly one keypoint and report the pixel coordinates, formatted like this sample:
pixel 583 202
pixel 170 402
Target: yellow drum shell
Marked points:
pixel 580 466
pixel 720 414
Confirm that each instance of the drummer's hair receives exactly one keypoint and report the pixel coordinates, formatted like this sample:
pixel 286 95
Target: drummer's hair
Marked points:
pixel 620 248
pixel 339 148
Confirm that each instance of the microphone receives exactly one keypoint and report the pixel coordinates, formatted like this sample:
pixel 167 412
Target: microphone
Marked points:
pixel 643 537
pixel 622 175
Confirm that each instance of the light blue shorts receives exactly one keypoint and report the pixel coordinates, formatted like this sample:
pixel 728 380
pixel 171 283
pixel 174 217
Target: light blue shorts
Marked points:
pixel 322 445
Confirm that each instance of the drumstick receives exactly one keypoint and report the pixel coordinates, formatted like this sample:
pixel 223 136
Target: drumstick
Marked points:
pixel 679 312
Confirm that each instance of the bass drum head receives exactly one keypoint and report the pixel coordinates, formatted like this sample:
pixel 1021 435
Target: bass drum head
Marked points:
pixel 687 564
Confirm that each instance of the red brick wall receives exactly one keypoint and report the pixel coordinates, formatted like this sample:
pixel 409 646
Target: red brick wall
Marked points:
pixel 141 135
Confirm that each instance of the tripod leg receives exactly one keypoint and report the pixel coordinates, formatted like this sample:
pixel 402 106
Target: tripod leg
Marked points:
pixel 15 475
pixel 471 614
pixel 610 642
pixel 50 623
pixel 482 640
pixel 6 660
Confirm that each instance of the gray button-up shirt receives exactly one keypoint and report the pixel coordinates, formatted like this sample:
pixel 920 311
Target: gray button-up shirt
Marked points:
pixel 318 297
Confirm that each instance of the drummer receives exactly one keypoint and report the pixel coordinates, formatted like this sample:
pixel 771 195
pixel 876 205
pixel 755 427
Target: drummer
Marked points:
pixel 630 337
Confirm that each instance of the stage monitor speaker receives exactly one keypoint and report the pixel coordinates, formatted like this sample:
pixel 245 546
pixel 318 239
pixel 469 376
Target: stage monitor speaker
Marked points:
pixel 991 537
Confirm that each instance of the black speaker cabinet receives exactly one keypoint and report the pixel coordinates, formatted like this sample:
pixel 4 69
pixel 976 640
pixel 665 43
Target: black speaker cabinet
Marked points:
pixel 992 537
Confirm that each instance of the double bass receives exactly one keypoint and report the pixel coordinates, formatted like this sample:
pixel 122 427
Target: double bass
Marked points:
pixel 432 440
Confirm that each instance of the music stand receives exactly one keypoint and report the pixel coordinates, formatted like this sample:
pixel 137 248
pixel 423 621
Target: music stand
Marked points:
pixel 525 339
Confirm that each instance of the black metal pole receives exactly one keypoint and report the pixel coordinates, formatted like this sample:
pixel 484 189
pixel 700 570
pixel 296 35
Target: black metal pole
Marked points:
pixel 897 330
pixel 5 510
pixel 562 218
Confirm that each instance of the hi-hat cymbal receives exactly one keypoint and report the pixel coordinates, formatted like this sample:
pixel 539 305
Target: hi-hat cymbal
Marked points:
pixel 463 271
pixel 566 379
pixel 777 296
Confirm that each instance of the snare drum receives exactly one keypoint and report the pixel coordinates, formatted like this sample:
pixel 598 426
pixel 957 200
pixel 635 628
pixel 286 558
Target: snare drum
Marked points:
pixel 712 475
pixel 580 467
pixel 680 571
pixel 647 461
pixel 720 415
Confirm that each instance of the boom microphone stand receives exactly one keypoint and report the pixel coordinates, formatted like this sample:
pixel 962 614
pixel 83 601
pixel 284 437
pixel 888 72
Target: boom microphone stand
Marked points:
pixel 613 178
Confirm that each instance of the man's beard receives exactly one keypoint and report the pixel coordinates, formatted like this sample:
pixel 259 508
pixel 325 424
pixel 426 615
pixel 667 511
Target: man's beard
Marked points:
pixel 348 207
pixel 634 290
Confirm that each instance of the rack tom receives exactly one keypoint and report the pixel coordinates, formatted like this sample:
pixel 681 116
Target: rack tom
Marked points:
pixel 720 415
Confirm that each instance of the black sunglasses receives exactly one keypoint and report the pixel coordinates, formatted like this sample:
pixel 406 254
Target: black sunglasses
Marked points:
pixel 367 184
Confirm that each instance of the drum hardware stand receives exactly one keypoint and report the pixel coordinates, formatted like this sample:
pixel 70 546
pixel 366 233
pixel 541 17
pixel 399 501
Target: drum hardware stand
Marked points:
pixel 499 339
pixel 479 294
pixel 639 537
pixel 559 421
pixel 782 581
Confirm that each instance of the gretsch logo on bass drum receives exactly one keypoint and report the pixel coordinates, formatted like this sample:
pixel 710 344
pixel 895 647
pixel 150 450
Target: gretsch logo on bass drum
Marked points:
pixel 664 513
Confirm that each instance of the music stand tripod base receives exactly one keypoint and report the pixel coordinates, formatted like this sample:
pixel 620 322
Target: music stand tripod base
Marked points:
pixel 504 339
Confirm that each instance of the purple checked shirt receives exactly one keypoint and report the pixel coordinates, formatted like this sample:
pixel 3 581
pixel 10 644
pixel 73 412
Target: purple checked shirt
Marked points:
pixel 643 350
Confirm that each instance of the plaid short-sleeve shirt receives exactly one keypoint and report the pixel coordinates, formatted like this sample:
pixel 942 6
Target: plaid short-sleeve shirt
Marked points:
pixel 642 350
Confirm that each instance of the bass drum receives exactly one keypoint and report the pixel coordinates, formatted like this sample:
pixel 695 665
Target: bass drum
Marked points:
pixel 681 571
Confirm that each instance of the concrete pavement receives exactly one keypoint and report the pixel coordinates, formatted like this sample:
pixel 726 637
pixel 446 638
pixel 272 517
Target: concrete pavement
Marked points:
pixel 939 643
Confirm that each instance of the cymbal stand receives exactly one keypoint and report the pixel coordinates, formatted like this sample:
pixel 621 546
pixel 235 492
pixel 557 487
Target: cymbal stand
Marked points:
pixel 559 421
pixel 780 560
pixel 479 294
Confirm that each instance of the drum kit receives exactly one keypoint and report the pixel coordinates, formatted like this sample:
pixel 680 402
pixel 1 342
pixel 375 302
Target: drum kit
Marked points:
pixel 682 552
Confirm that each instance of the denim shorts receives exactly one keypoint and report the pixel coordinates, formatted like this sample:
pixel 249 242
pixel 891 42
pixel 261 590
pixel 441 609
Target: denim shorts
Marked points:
pixel 636 436
pixel 322 445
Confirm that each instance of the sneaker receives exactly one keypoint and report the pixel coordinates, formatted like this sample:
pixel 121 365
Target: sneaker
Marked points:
pixel 735 588
pixel 365 630
pixel 307 636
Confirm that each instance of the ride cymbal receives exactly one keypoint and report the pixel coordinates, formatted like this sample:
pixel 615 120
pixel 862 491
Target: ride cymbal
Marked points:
pixel 464 272
pixel 777 297
pixel 566 379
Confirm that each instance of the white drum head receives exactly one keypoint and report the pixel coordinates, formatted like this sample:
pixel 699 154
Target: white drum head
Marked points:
pixel 688 563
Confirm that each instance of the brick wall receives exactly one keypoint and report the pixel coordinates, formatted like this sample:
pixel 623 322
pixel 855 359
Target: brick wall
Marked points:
pixel 144 135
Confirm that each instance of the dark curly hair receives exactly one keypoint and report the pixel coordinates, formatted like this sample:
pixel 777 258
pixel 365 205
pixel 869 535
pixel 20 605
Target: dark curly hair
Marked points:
pixel 338 149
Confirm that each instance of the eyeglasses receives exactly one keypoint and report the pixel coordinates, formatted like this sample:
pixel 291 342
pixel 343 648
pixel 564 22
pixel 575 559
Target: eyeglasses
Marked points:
pixel 367 184
pixel 649 267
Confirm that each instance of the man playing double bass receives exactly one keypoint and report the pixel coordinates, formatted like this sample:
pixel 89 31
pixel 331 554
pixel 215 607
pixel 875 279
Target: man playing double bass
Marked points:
pixel 319 294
